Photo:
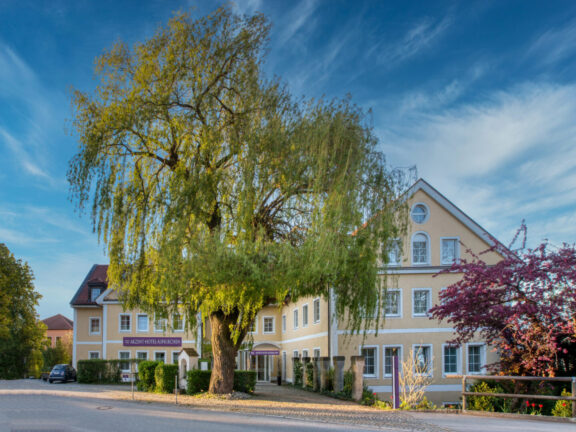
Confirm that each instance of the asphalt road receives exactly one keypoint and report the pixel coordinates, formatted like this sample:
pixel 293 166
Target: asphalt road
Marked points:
pixel 20 413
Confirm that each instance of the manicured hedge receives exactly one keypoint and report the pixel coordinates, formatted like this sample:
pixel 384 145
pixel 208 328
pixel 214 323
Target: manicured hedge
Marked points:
pixel 146 375
pixel 99 371
pixel 199 381
pixel 165 375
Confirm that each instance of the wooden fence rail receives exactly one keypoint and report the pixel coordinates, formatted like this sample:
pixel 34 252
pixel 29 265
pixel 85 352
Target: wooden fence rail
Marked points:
pixel 519 396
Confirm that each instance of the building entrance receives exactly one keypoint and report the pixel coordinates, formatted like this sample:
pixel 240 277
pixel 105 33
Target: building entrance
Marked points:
pixel 262 364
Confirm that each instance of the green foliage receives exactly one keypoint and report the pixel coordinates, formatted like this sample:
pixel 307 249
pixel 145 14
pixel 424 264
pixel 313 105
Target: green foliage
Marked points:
pixel 309 375
pixel 58 354
pixel 146 375
pixel 483 403
pixel 164 376
pixel 35 363
pixel 198 381
pixel 297 371
pixel 368 396
pixel 99 371
pixel 563 408
pixel 245 381
pixel 330 379
pixel 348 383
pixel 21 333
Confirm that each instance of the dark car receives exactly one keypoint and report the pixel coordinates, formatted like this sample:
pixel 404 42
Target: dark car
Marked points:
pixel 62 372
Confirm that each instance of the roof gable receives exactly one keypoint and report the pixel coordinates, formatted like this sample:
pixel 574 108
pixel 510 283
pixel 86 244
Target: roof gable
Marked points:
pixel 96 277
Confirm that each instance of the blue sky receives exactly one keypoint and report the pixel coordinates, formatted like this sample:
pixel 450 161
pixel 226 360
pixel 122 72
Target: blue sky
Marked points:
pixel 480 96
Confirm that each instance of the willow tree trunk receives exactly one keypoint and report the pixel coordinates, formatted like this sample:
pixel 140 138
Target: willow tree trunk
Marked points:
pixel 224 352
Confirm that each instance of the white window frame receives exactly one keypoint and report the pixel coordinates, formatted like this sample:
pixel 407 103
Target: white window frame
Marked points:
pixel 316 350
pixel 295 354
pixel 305 315
pixel 305 353
pixel 482 346
pixel 400 353
pixel 273 331
pixel 92 290
pixel 314 303
pixel 427 262
pixel 426 219
pixel 295 318
pixel 159 352
pixel 178 330
pixel 93 352
pixel 142 352
pixel 120 315
pixel 90 326
pixel 126 360
pixel 400 306
pixel 419 314
pixel 284 318
pixel 398 262
pixel 431 364
pixel 138 329
pixel 457 250
pixel 376 360
pixel 161 321
pixel 175 353
pixel 458 360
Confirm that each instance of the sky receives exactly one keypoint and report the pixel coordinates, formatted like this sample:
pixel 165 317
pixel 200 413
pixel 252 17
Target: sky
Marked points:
pixel 479 96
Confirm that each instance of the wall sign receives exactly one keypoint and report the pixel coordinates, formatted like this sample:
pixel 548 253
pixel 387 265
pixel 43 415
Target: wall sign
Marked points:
pixel 152 341
pixel 269 352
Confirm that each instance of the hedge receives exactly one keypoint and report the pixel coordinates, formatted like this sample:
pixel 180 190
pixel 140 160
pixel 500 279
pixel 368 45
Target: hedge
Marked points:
pixel 165 375
pixel 146 375
pixel 199 381
pixel 100 371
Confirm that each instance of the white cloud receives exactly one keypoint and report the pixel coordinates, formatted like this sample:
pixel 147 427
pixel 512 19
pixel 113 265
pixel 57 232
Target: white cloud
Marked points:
pixel 298 21
pixel 554 45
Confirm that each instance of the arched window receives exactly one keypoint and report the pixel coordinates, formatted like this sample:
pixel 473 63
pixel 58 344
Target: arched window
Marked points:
pixel 420 249
pixel 420 213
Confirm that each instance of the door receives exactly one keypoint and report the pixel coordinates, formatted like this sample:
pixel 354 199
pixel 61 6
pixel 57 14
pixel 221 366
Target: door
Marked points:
pixel 261 364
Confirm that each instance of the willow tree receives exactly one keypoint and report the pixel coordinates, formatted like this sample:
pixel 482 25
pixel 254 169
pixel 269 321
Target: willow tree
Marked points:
pixel 216 192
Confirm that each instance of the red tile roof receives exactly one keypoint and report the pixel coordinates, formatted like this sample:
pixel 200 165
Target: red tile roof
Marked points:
pixel 58 322
pixel 95 277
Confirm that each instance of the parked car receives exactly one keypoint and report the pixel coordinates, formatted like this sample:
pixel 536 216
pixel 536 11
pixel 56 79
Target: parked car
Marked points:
pixel 62 372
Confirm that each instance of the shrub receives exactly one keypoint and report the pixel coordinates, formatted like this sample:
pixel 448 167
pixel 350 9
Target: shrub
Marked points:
pixel 330 380
pixel 146 377
pixel 99 371
pixel 309 375
pixel 198 381
pixel 165 375
pixel 297 372
pixel 368 397
pixel 348 383
pixel 244 381
pixel 563 408
pixel 483 403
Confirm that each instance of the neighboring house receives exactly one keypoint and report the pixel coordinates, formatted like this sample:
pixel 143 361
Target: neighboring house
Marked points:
pixel 438 234
pixel 104 330
pixel 58 328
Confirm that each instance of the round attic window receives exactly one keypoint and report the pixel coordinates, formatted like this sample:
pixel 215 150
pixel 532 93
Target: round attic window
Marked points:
pixel 420 213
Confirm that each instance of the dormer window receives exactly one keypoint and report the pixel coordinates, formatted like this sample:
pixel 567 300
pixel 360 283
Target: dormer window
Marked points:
pixel 95 293
pixel 420 213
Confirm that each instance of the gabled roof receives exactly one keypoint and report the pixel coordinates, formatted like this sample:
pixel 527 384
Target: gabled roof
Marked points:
pixel 58 322
pixel 96 277
pixel 424 186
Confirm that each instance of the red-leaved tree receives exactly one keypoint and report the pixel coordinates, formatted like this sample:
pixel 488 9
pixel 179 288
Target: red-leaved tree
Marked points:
pixel 525 306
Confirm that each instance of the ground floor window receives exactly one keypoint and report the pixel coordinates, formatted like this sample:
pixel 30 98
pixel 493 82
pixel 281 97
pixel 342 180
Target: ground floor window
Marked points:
pixel 389 353
pixel 450 359
pixel 175 356
pixel 423 359
pixel 370 358
pixel 316 352
pixel 475 358
pixel 160 356
pixel 94 355
pixel 125 365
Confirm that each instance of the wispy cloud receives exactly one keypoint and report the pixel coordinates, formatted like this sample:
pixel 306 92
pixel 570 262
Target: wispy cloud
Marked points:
pixel 297 20
pixel 554 45
pixel 22 156
pixel 247 6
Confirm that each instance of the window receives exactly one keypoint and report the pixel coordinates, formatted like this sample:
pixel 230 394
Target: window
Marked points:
pixel 295 354
pixel 420 253
pixel 142 355
pixel 94 326
pixel 93 355
pixel 175 357
pixel 295 318
pixel 450 357
pixel 475 358
pixel 423 359
pixel 389 352
pixel 125 323
pixel 142 322
pixel 420 301
pixel 316 352
pixel 394 253
pixel 268 325
pixel 160 324
pixel 160 356
pixel 450 252
pixel 95 293
pixel 316 311
pixel 370 361
pixel 283 323
pixel 420 213
pixel 305 315
pixel 253 328
pixel 125 365
pixel 304 353
pixel 178 322
pixel 393 307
